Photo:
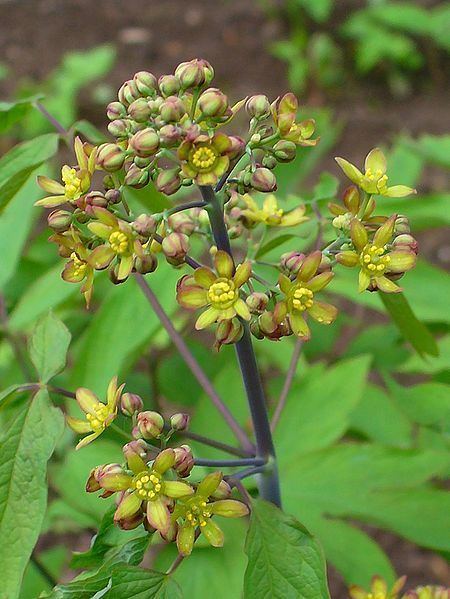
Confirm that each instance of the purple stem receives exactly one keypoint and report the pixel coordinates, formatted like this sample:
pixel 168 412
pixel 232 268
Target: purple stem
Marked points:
pixel 287 384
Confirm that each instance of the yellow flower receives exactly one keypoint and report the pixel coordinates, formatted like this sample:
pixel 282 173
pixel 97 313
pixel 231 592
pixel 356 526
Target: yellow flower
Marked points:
pixel 378 589
pixel 375 257
pixel 374 180
pixel 205 158
pixel 220 292
pixel 75 180
pixel 300 297
pixel 98 415
pixel 270 214
pixel 284 113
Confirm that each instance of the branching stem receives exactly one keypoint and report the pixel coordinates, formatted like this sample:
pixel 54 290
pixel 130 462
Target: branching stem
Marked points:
pixel 287 384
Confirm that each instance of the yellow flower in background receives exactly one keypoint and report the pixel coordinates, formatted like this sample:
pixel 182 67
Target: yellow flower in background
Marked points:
pixel 284 113
pixel 270 213
pixel 76 181
pixel 374 180
pixel 378 589
pixel 98 415
pixel 219 292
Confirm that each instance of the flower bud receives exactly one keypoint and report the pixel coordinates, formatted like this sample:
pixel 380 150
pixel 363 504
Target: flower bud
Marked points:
pixel 402 224
pixel 139 110
pixel 179 421
pixel 60 220
pixel 131 403
pixel 131 522
pixel 150 424
pixel 213 102
pixel 284 150
pixel 146 83
pixel 208 71
pixel 108 182
pixel 146 263
pixel 137 447
pixel 120 128
pixel 169 135
pixel 110 157
pixel 145 143
pixel 290 263
pixel 258 106
pixel 228 332
pixel 237 146
pixel 223 491
pixel 262 179
pixel 257 302
pixel 168 181
pixel 155 104
pixel 172 109
pixel 190 74
pixel 95 199
pixel 269 161
pixel 136 177
pixel 406 242
pixel 145 225
pixel 168 85
pixel 182 222
pixel 184 461
pixel 115 110
pixel 113 196
pixel 96 475
pixel 128 92
pixel 175 247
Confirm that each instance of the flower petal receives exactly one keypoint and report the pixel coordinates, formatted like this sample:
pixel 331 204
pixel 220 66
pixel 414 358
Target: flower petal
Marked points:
pixel 101 257
pixel 79 426
pixel 86 440
pixel 204 277
pixel 386 285
pixel 347 258
pixel 376 162
pixel 100 229
pixel 209 484
pixel 224 264
pixel 363 281
pixel 176 489
pixel 358 234
pixel 285 283
pixel 385 232
pixel 71 274
pixel 50 186
pixel 206 318
pixel 135 463
pixel 294 217
pixel 185 539
pixel 87 400
pixel 401 261
pixel 320 281
pixel 299 326
pixel 350 170
pixel 242 309
pixel 213 533
pixel 229 508
pixel 51 201
pixel 399 191
pixel 323 312
pixel 129 506
pixel 242 274
pixel 191 297
pixel 164 460
pixel 309 266
pixel 125 267
pixel 158 515
pixel 118 481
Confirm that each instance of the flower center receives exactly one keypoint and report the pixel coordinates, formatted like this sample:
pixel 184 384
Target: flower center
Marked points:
pixel 377 178
pixel 203 158
pixel 147 485
pixel 302 298
pixel 274 217
pixel 72 183
pixel 118 242
pixel 97 420
pixel 374 260
pixel 222 293
pixel 79 266
pixel 198 513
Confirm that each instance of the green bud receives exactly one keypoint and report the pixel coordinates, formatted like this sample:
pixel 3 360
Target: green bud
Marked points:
pixel 108 182
pixel 190 74
pixel 60 220
pixel 402 224
pixel 172 109
pixel 155 104
pixel 168 85
pixel 128 92
pixel 136 177
pixel 139 110
pixel 182 222
pixel 110 157
pixel 170 135
pixel 223 491
pixel 130 403
pixel 213 103
pixel 94 199
pixel 258 106
pixel 120 128
pixel 146 83
pixel 145 225
pixel 257 302
pixel 285 151
pixel 184 461
pixel 150 424
pixel 228 332
pixel 146 264
pixel 406 242
pixel 269 162
pixel 175 247
pixel 113 196
pixel 262 179
pixel 168 181
pixel 145 143
pixel 179 421
pixel 115 110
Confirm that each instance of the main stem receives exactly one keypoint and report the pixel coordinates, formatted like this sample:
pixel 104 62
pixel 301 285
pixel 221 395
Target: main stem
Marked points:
pixel 269 487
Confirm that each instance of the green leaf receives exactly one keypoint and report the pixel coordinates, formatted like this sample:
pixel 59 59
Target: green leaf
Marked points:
pixel 427 404
pixel 99 546
pixel 327 187
pixel 319 406
pixel 17 164
pixel 12 112
pixel 87 588
pixel 89 131
pixel 25 449
pixel 48 346
pixel 284 559
pixel 411 328
pixel 272 244
pixel 424 365
pixel 8 392
pixel 136 583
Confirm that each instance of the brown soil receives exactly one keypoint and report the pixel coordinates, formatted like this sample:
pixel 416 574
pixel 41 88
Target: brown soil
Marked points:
pixel 233 35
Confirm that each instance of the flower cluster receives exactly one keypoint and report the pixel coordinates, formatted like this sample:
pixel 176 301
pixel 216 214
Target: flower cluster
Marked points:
pixel 151 485
pixel 379 590
pixel 171 133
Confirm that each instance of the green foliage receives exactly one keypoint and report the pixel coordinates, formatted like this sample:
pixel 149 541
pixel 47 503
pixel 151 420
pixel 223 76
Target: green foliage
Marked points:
pixel 284 559
pixel 48 347
pixel 25 447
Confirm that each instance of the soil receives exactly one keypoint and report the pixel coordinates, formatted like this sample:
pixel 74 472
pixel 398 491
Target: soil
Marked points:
pixel 233 35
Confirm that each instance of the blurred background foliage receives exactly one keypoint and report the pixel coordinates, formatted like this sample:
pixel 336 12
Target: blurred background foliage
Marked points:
pixel 363 443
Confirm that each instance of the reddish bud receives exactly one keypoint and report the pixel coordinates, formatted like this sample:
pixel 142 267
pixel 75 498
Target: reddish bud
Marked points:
pixel 128 92
pixel 228 332
pixel 179 421
pixel 146 263
pixel 145 225
pixel 290 263
pixel 150 424
pixel 175 247
pixel 115 110
pixel 257 302
pixel 145 143
pixel 285 151
pixel 146 83
pixel 262 179
pixel 172 109
pixel 184 460
pixel 139 110
pixel 131 403
pixel 168 85
pixel 60 220
pixel 182 222
pixel 258 106
pixel 110 157
pixel 170 135
pixel 168 181
pixel 136 177
pixel 213 103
